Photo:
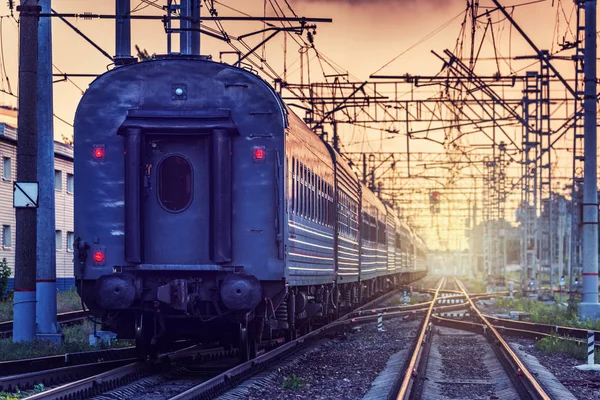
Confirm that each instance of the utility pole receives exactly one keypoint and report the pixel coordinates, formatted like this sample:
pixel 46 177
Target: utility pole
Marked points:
pixel 123 33
pixel 27 148
pixel 47 328
pixel 588 308
pixel 189 36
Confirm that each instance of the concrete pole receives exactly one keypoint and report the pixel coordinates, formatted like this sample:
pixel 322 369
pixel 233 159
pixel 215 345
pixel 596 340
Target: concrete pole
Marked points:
pixel 195 25
pixel 27 148
pixel 123 32
pixel 185 37
pixel 46 226
pixel 589 308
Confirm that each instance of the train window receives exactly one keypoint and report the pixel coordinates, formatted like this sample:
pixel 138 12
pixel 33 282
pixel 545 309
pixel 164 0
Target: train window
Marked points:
pixel 319 199
pixel 313 195
pixel 373 233
pixel 313 181
pixel 175 183
pixel 293 184
pixel 301 187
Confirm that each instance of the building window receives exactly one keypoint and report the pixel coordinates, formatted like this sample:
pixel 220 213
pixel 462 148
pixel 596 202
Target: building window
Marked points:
pixel 57 180
pixel 59 240
pixel 6 168
pixel 70 240
pixel 70 183
pixel 6 236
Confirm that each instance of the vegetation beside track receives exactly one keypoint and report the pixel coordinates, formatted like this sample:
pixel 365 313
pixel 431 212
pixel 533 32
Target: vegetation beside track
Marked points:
pixel 552 314
pixel 66 301
pixel 76 340
pixel 555 344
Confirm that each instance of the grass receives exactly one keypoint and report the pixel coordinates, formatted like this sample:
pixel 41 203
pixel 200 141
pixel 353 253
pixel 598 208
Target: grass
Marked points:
pixel 475 285
pixel 66 301
pixel 553 314
pixel 76 340
pixel 293 382
pixel 17 394
pixel 554 344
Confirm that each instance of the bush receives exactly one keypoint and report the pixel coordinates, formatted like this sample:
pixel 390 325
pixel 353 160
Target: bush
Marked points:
pixel 5 272
pixel 552 314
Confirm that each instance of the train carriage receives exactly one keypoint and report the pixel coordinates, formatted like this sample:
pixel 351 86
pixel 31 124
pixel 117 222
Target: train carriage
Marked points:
pixel 206 209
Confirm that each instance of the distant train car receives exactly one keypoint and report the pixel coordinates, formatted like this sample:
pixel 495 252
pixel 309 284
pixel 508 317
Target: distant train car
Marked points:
pixel 206 209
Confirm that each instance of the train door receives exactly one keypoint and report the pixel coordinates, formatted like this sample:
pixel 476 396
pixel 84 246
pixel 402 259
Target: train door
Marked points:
pixel 175 200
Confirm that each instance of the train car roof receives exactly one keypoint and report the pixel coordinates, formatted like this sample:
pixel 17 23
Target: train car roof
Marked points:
pixel 370 197
pixel 310 139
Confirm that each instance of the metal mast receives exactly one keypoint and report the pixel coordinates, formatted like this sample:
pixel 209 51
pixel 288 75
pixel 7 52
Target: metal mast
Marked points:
pixel 123 32
pixel 589 306
pixel 578 156
pixel 546 239
pixel 529 183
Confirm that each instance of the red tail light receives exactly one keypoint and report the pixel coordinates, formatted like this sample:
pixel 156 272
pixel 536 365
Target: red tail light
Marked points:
pixel 259 154
pixel 99 152
pixel 99 255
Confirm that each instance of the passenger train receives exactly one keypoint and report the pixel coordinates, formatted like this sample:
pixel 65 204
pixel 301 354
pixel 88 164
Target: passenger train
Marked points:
pixel 206 209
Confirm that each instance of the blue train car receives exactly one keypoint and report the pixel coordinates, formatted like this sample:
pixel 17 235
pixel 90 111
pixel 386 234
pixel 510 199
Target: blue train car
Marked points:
pixel 205 208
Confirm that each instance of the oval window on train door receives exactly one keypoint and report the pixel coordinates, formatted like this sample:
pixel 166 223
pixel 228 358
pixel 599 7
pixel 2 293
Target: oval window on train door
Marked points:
pixel 174 178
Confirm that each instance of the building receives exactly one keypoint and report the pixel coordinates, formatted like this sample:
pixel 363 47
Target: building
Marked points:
pixel 63 179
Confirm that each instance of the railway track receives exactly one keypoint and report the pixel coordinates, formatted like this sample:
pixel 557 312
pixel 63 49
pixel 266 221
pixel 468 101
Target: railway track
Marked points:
pixel 66 318
pixel 205 380
pixel 87 380
pixel 428 374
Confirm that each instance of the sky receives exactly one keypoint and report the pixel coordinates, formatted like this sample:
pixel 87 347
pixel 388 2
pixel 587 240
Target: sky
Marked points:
pixel 393 37
pixel 364 36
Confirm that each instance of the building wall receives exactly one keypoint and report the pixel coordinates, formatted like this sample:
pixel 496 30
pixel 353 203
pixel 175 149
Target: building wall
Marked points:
pixel 63 163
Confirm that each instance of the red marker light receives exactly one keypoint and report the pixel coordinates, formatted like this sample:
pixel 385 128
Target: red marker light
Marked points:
pixel 99 256
pixel 259 154
pixel 99 152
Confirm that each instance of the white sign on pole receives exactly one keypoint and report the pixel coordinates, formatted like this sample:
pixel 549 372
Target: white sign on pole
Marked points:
pixel 25 194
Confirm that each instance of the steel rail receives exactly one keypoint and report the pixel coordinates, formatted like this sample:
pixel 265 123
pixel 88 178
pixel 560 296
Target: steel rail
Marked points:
pixel 99 383
pixel 66 318
pixel 543 328
pixel 230 378
pixel 530 383
pixel 408 380
pixel 59 375
pixel 29 365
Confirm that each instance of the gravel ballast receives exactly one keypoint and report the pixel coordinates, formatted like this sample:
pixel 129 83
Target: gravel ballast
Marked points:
pixel 342 368
pixel 462 365
pixel 584 385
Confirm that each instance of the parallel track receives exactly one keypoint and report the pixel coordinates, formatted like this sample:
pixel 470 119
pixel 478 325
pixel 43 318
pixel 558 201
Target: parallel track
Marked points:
pixel 66 318
pixel 526 383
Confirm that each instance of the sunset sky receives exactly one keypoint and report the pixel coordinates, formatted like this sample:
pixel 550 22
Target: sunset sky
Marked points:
pixel 364 37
